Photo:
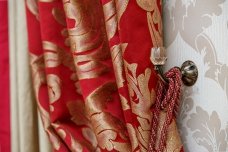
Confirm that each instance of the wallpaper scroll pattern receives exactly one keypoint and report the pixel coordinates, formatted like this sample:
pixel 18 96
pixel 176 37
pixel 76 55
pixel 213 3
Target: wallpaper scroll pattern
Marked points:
pixel 197 30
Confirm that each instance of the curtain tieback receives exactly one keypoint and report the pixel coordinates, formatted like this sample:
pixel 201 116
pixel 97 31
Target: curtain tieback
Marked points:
pixel 167 99
pixel 168 94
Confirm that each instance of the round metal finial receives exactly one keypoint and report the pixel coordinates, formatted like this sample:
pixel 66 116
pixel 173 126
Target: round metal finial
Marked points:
pixel 189 73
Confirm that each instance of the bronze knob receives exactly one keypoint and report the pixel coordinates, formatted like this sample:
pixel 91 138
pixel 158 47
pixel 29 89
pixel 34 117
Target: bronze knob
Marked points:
pixel 189 73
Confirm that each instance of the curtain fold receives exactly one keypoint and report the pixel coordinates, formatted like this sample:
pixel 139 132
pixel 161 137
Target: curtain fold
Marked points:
pixel 94 86
pixel 93 79
pixel 24 120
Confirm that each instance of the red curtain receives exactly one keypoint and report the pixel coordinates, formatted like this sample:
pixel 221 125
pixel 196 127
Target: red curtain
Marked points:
pixel 92 76
pixel 4 77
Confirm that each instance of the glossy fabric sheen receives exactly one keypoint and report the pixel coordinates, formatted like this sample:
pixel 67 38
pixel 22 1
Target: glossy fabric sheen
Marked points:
pixel 92 76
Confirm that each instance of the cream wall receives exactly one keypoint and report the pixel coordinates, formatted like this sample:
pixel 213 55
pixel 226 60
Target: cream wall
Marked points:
pixel 197 30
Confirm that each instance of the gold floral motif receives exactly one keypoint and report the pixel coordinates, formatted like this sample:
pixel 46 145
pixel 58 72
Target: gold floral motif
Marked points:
pixel 147 5
pixel 32 7
pixel 51 59
pixel 124 103
pixel 77 111
pixel 142 99
pixel 132 136
pixel 38 74
pixel 54 87
pixel 80 118
pixel 74 77
pixel 110 18
pixel 55 135
pixel 59 16
pixel 143 135
pixel 90 136
pixel 173 142
pixel 139 90
pixel 54 140
pixel 88 41
pixel 75 145
pixel 39 78
pixel 156 36
pixel 47 45
pixel 103 122
pixel 117 59
pixel 90 48
pixel 113 10
pixel 64 33
pixel 153 19
pixel 121 6
pixel 54 56
pixel 105 125
pixel 118 65
pixel 61 133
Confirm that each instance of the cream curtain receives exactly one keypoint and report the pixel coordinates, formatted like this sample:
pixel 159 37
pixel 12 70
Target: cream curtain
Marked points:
pixel 27 134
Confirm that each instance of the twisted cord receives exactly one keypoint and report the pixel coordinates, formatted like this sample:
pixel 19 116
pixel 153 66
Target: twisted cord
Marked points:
pixel 167 98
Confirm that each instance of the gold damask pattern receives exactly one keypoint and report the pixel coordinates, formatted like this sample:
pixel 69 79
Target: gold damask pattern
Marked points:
pixel 106 126
pixel 173 142
pixel 33 8
pixel 142 99
pixel 78 112
pixel 154 20
pixel 91 53
pixel 100 73
pixel 38 74
pixel 88 39
pixel 113 10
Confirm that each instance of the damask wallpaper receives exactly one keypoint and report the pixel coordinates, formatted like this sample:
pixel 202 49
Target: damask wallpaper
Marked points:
pixel 197 30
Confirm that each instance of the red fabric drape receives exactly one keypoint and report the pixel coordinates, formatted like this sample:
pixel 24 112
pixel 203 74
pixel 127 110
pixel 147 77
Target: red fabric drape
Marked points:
pixel 92 75
pixel 4 79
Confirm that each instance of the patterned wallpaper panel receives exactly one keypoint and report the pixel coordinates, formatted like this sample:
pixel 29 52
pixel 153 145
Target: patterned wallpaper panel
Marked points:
pixel 197 30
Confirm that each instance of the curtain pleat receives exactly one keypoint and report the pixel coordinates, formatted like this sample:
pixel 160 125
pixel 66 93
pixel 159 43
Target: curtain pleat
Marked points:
pixel 24 131
pixel 44 143
pixel 93 79
pixel 81 78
